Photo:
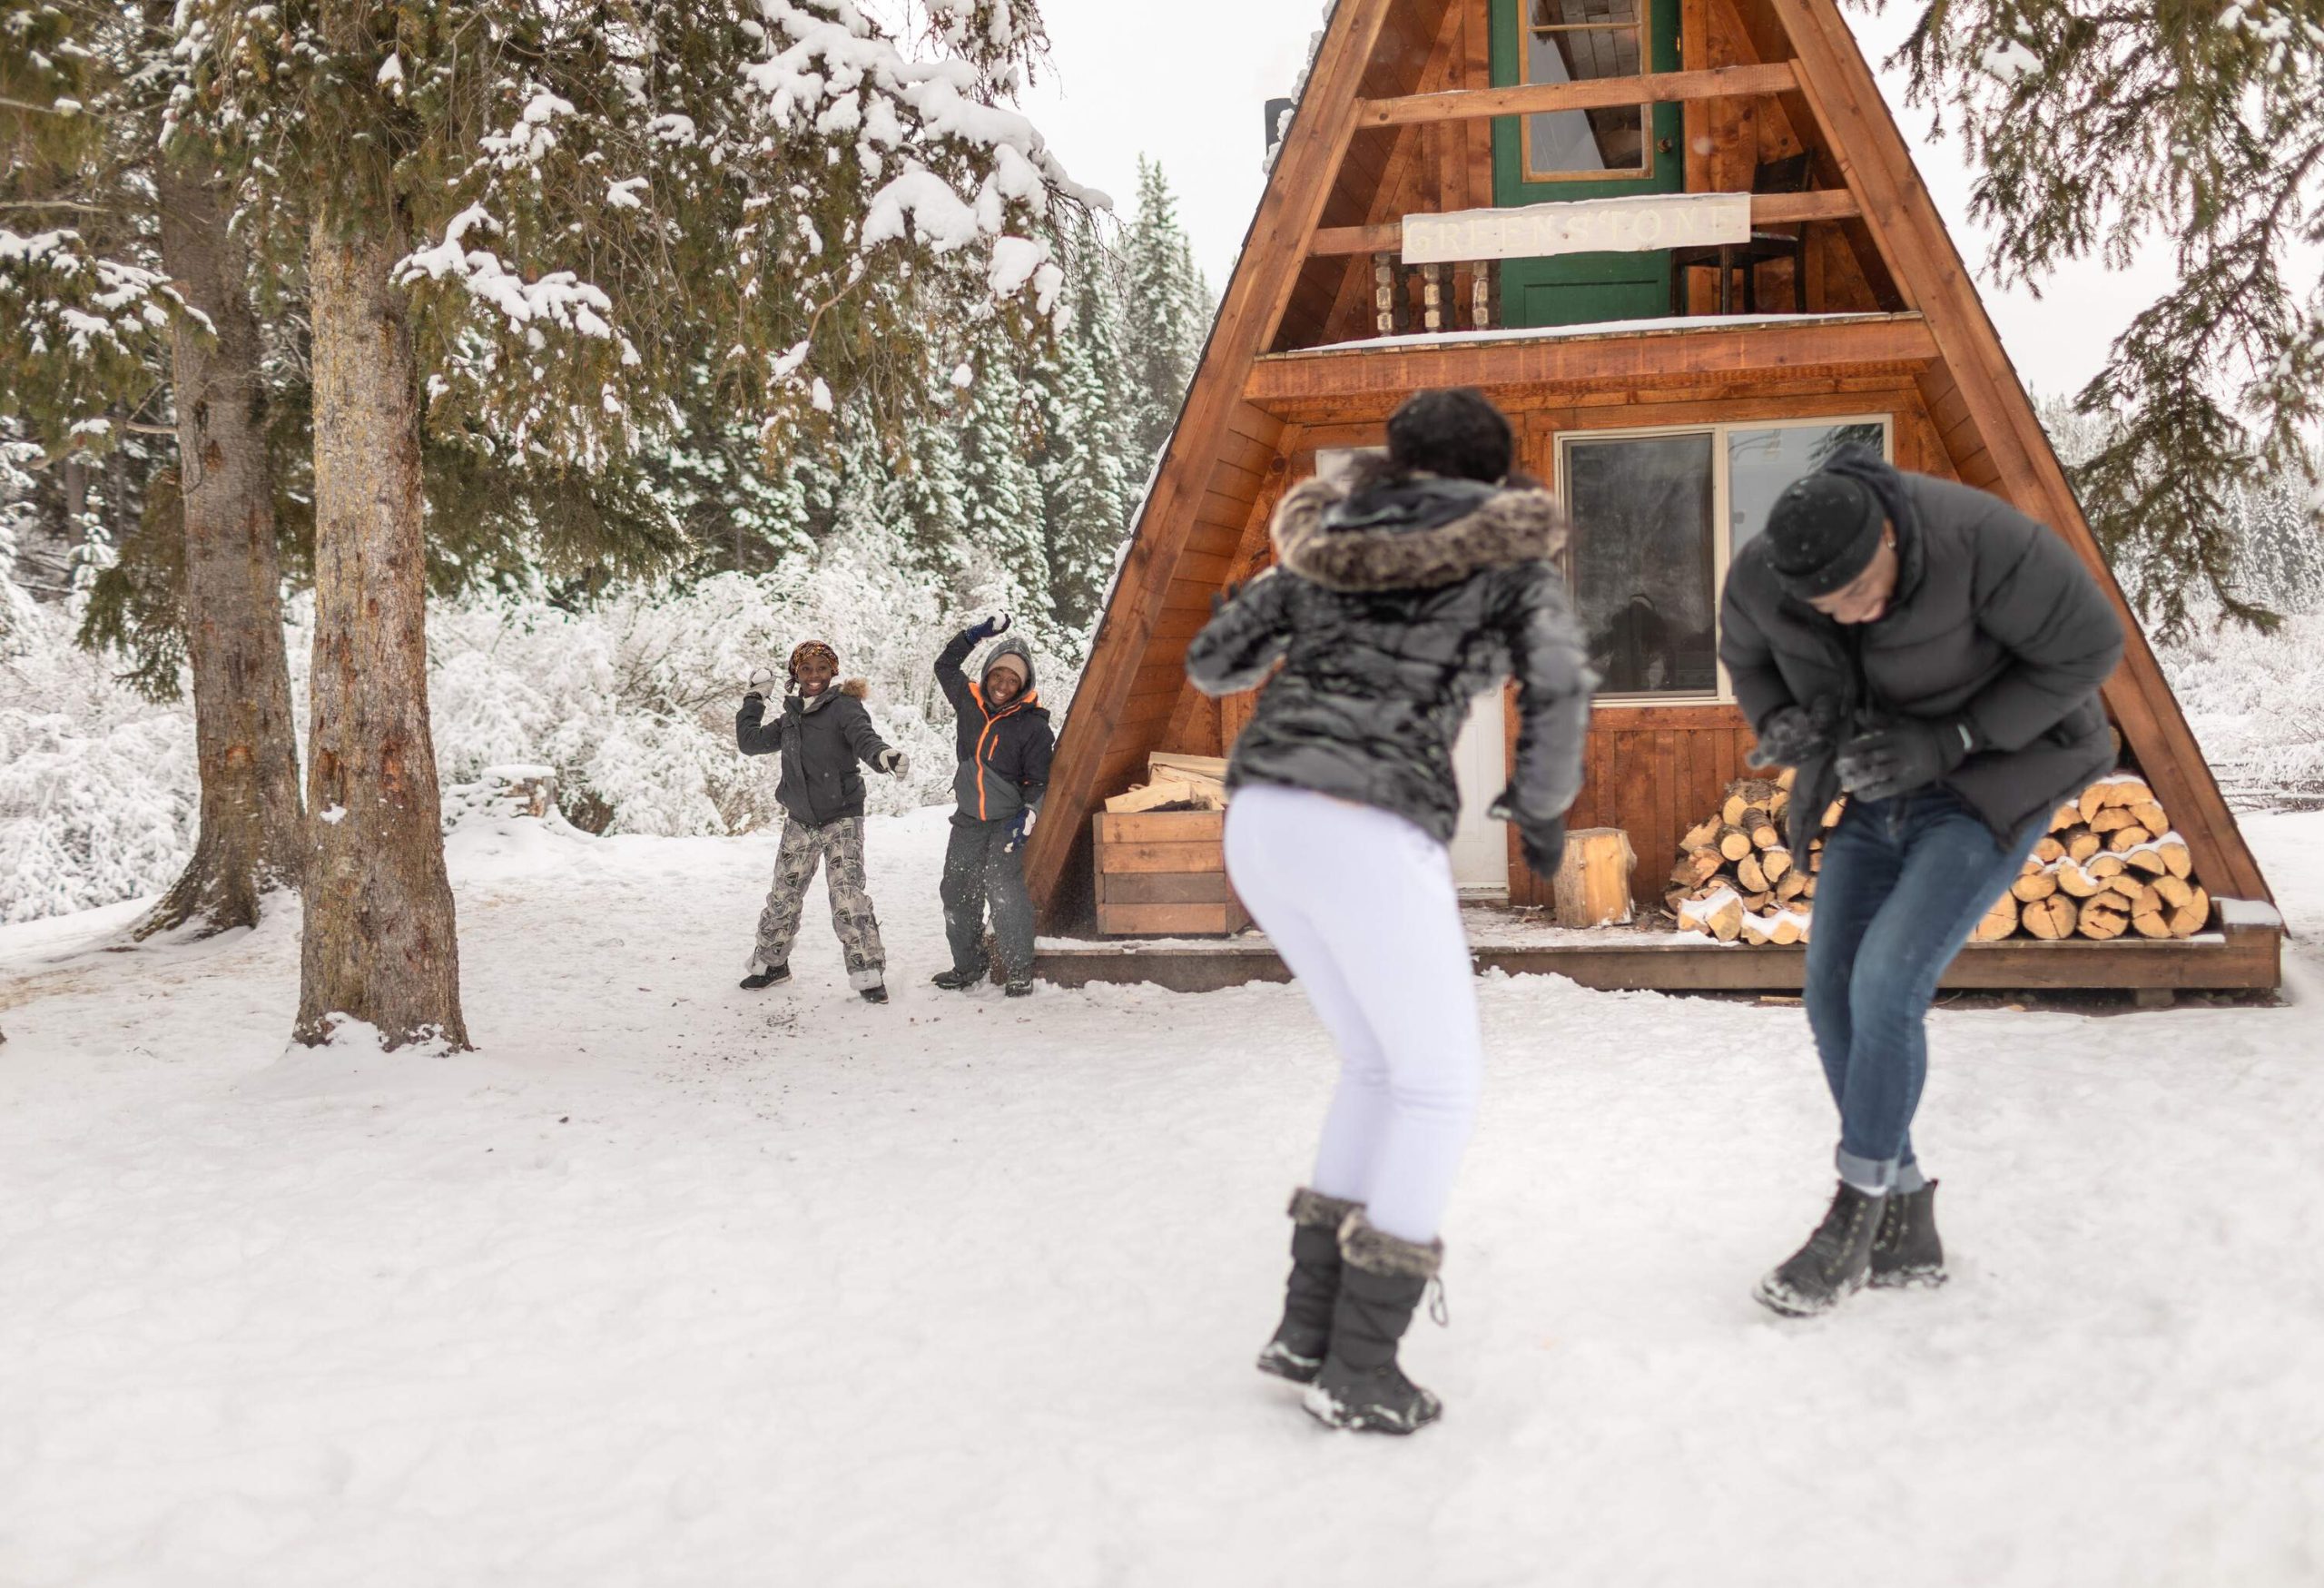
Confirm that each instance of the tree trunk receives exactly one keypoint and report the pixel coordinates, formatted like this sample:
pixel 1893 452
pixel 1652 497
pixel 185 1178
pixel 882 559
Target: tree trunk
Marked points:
pixel 379 942
pixel 250 840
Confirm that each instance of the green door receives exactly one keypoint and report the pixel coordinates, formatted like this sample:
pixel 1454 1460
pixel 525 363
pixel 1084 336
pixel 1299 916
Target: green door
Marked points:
pixel 1549 158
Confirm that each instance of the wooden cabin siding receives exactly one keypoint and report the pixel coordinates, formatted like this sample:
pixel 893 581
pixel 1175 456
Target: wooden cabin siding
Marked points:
pixel 1653 771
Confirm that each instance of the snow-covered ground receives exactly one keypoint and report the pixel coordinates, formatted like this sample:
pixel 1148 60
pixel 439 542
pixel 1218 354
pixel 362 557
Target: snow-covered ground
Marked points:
pixel 671 1283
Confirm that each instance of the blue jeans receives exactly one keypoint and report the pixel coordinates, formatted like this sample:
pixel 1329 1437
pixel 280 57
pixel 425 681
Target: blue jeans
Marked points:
pixel 1904 884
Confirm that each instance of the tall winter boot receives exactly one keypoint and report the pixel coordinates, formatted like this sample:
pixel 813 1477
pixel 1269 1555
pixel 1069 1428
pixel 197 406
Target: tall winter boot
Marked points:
pixel 1834 1263
pixel 1296 1351
pixel 1382 1281
pixel 1906 1251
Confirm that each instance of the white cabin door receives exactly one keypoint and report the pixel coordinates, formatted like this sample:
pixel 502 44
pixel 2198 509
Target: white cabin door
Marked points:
pixel 1480 764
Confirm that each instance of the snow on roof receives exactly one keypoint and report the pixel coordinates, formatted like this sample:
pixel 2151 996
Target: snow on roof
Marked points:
pixel 1662 324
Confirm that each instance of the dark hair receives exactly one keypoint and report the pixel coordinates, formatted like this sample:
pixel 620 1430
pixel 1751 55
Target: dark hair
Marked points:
pixel 1452 431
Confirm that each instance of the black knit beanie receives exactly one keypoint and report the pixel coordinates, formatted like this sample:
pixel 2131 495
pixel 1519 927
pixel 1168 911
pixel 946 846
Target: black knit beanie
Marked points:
pixel 1822 533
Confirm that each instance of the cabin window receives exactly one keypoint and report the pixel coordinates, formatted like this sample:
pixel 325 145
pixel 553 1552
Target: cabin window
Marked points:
pixel 1656 517
pixel 1574 41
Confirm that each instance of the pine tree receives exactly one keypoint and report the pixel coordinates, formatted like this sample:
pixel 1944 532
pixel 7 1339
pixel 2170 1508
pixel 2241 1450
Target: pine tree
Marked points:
pixel 1089 478
pixel 2093 129
pixel 87 120
pixel 1006 553
pixel 1165 316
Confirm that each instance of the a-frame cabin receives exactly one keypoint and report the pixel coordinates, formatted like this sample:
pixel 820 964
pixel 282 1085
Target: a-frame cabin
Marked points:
pixel 1428 221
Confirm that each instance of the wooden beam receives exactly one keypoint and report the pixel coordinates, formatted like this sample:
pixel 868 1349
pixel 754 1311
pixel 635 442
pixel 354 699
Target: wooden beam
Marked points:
pixel 1291 385
pixel 1767 210
pixel 2249 960
pixel 1463 104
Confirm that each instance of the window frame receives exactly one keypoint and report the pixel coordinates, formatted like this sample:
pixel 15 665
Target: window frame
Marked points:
pixel 1643 27
pixel 1722 520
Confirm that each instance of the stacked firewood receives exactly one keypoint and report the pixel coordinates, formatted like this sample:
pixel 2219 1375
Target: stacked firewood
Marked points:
pixel 1737 877
pixel 1175 782
pixel 2111 863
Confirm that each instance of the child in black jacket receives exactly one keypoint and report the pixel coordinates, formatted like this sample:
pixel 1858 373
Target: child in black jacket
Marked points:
pixel 1005 743
pixel 823 734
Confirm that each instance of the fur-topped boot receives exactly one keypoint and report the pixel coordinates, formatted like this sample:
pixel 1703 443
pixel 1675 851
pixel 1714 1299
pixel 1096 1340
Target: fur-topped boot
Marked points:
pixel 1382 1281
pixel 1296 1351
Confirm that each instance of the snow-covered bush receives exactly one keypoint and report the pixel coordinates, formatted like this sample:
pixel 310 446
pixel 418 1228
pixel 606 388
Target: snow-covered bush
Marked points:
pixel 633 699
pixel 2250 698
pixel 98 789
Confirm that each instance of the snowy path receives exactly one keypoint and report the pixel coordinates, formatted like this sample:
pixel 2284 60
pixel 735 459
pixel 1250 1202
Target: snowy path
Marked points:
pixel 676 1284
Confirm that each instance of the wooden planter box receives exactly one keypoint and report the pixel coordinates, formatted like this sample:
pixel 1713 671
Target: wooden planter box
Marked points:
pixel 1163 873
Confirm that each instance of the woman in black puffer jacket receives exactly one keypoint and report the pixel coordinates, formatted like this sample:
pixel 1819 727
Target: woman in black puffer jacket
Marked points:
pixel 1395 601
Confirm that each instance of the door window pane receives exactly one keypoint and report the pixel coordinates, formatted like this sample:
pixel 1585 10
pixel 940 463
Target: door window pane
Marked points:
pixel 1575 41
pixel 1643 561
pixel 1761 462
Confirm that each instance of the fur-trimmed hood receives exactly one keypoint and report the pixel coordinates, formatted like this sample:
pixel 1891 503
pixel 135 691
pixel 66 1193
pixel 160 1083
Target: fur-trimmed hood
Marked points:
pixel 1387 529
pixel 860 688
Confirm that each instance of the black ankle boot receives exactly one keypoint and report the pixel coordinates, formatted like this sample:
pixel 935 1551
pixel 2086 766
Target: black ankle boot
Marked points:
pixel 1382 1281
pixel 1296 1351
pixel 1832 1266
pixel 1906 1251
pixel 765 975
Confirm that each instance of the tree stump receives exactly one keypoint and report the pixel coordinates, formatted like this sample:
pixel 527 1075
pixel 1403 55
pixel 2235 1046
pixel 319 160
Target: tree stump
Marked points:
pixel 1592 887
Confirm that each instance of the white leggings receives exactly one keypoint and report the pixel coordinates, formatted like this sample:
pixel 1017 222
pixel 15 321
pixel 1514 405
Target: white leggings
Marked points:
pixel 1362 906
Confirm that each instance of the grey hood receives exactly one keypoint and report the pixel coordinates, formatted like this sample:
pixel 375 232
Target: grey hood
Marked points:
pixel 1011 646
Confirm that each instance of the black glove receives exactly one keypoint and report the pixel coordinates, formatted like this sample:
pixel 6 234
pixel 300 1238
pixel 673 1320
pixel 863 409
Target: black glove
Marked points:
pixel 1020 830
pixel 1787 737
pixel 1911 755
pixel 996 624
pixel 1544 844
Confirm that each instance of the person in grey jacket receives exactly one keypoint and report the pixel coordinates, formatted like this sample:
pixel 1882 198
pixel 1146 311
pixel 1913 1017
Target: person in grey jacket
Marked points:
pixel 1936 655
pixel 822 733
pixel 1005 743
pixel 1394 601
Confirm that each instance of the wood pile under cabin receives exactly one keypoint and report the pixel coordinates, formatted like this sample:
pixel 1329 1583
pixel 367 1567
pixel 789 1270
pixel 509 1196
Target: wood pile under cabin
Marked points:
pixel 1160 854
pixel 1736 878
pixel 2111 864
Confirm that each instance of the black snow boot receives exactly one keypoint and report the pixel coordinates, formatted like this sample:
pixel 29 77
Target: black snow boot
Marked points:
pixel 765 975
pixel 874 994
pixel 1382 1281
pixel 1905 1252
pixel 956 981
pixel 1834 1263
pixel 1020 989
pixel 1296 1351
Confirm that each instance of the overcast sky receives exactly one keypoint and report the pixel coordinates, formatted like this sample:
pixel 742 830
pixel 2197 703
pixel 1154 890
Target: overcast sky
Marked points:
pixel 1187 84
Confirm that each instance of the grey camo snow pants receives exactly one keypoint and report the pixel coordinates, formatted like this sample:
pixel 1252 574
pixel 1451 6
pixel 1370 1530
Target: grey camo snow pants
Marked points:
pixel 803 848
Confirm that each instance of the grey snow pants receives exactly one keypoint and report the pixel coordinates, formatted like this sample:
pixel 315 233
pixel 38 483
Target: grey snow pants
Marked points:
pixel 978 868
pixel 803 848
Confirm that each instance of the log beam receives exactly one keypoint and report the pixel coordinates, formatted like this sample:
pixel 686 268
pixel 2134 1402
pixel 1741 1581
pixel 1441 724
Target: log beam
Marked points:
pixel 1767 210
pixel 1316 385
pixel 1464 104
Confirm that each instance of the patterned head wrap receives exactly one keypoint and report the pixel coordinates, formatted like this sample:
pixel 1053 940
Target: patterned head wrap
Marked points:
pixel 814 647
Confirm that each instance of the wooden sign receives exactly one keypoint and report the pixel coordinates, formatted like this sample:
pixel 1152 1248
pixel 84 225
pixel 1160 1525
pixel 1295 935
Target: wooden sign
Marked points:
pixel 1637 225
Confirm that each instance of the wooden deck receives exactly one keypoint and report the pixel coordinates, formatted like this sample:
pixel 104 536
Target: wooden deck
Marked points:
pixel 2237 959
